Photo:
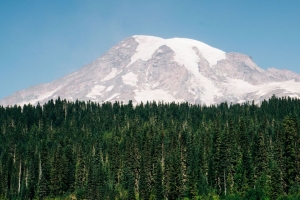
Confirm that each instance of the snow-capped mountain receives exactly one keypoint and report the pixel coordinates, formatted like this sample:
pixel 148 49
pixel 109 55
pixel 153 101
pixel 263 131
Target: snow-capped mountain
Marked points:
pixel 146 68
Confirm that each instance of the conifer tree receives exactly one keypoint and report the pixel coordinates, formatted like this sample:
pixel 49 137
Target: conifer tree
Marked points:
pixel 276 181
pixel 158 189
pixel 215 164
pixel 290 132
pixel 225 163
pixel 80 171
pixel 56 173
pixel 143 187
pixel 261 157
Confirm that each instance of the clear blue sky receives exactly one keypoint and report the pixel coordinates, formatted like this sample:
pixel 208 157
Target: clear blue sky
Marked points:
pixel 41 41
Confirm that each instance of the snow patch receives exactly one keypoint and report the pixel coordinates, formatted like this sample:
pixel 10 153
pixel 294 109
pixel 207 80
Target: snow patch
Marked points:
pixel 238 87
pixel 289 86
pixel 155 85
pixel 40 97
pixel 109 88
pixel 96 91
pixel 113 96
pixel 111 75
pixel 241 101
pixel 204 88
pixel 294 96
pixel 130 79
pixel 157 95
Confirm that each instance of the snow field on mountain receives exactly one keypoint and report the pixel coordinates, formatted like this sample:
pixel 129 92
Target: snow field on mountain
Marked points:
pixel 95 91
pixel 239 87
pixel 113 73
pixel 183 48
pixel 204 88
pixel 130 79
pixel 41 97
pixel 112 97
pixel 289 86
pixel 109 88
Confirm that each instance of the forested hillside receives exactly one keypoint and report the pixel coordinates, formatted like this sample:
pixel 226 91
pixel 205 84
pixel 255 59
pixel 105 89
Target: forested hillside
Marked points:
pixel 84 150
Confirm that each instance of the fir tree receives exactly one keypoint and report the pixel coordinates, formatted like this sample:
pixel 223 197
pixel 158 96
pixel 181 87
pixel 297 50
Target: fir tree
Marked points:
pixel 290 131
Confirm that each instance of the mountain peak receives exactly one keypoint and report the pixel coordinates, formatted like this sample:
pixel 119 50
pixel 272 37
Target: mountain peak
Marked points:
pixel 185 49
pixel 147 68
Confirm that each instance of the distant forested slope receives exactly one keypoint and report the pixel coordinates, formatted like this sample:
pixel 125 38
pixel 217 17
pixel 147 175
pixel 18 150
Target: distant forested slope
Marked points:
pixel 84 150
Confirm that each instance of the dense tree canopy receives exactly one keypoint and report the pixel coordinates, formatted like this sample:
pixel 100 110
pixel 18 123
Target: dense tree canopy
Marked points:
pixel 86 150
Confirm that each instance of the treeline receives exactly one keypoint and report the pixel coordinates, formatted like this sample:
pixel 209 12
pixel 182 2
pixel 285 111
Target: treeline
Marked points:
pixel 86 150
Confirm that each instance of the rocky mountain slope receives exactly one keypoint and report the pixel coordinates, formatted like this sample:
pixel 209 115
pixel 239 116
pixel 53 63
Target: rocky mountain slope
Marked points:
pixel 146 68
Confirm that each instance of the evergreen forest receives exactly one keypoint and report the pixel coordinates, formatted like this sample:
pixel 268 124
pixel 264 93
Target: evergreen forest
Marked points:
pixel 154 150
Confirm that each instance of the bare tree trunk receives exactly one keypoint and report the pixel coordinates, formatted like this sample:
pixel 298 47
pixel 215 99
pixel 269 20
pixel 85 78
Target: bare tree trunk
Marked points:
pixel 224 182
pixel 20 171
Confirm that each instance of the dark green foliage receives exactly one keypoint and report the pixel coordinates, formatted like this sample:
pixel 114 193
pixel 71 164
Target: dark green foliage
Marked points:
pixel 291 145
pixel 276 181
pixel 158 189
pixel 150 151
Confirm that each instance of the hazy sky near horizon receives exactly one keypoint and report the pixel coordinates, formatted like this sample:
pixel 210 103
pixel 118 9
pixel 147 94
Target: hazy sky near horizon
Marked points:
pixel 41 41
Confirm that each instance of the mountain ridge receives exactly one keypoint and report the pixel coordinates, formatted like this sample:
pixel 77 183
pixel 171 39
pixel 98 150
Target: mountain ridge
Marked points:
pixel 147 68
